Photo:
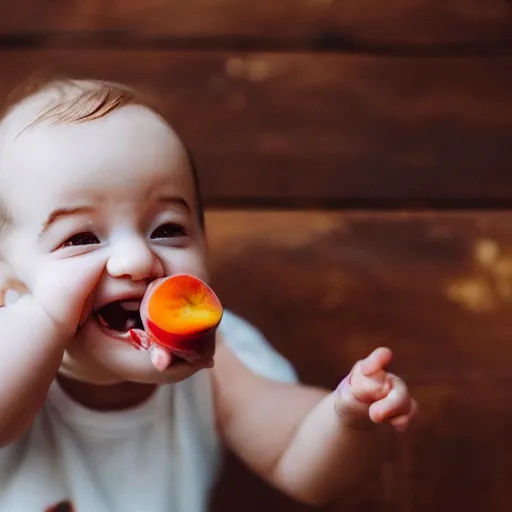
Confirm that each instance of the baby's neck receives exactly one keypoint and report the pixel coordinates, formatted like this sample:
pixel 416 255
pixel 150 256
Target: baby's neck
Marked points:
pixel 113 397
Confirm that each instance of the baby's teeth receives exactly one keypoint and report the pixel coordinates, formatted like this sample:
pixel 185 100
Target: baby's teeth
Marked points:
pixel 130 324
pixel 130 305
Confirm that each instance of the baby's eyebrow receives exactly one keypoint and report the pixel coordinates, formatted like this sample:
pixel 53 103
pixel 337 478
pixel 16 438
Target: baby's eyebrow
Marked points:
pixel 63 212
pixel 176 200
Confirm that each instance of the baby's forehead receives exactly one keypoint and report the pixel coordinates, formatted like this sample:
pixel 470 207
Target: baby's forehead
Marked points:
pixel 25 112
pixel 49 121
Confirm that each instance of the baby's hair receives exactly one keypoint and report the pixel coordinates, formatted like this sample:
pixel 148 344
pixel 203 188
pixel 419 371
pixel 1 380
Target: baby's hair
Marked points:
pixel 80 101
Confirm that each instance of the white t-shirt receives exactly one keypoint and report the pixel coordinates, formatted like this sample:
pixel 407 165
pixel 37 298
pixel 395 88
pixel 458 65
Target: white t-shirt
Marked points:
pixel 162 456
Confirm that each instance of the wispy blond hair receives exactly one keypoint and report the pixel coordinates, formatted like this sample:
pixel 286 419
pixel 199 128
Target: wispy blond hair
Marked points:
pixel 76 100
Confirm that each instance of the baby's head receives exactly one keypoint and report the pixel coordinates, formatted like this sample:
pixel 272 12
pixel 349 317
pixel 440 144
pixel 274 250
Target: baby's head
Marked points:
pixel 89 170
pixel 66 101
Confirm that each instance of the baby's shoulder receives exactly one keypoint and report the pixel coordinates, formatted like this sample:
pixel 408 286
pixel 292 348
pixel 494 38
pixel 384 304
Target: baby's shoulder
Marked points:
pixel 253 349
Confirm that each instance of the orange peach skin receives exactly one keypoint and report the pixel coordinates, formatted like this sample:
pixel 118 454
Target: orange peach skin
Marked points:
pixel 181 313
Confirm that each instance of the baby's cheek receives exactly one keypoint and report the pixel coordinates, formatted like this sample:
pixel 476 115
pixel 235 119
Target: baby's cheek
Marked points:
pixel 193 261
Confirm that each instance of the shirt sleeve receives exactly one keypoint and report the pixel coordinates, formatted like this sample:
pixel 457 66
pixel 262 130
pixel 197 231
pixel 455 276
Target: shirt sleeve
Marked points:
pixel 254 350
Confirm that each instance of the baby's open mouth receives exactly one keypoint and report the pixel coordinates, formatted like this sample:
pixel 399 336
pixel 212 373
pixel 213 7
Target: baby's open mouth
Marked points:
pixel 120 316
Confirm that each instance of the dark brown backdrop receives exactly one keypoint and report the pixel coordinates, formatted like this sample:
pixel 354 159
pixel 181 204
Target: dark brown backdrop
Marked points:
pixel 356 160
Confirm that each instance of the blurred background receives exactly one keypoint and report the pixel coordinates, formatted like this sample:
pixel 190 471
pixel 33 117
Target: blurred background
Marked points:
pixel 356 160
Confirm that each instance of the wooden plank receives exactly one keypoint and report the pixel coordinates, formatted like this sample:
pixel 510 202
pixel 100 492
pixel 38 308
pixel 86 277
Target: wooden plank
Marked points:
pixel 503 490
pixel 452 459
pixel 281 127
pixel 328 287
pixel 317 22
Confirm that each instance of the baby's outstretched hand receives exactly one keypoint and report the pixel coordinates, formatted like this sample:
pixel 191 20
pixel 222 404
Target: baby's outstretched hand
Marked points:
pixel 370 393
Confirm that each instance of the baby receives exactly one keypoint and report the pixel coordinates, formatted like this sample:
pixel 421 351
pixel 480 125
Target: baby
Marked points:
pixel 99 197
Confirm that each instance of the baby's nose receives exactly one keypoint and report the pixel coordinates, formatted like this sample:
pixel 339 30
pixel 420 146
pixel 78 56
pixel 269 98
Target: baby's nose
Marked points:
pixel 134 259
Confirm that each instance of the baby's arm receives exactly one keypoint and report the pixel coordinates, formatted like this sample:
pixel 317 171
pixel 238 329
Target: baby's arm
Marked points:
pixel 34 329
pixel 310 443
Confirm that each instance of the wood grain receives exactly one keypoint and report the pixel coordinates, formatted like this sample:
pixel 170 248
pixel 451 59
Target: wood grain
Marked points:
pixel 313 129
pixel 328 287
pixel 314 22
pixel 454 458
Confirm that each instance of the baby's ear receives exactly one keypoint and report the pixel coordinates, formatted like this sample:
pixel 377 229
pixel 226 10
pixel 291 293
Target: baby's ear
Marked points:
pixel 4 216
pixel 4 226
pixel 11 288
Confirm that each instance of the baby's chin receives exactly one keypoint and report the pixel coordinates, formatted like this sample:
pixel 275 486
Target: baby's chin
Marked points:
pixel 96 358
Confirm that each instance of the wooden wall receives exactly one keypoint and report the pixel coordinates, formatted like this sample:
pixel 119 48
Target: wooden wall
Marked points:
pixel 356 161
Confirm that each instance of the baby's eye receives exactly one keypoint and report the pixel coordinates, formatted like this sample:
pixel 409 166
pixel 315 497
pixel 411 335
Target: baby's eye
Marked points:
pixel 86 238
pixel 169 231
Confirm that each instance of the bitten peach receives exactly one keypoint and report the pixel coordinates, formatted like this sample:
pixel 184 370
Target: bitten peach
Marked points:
pixel 181 313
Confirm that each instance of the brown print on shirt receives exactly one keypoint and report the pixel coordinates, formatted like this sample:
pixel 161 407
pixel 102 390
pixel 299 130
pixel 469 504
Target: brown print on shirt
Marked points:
pixel 62 506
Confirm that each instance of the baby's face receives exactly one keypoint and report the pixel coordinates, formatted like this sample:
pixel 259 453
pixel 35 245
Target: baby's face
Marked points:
pixel 117 190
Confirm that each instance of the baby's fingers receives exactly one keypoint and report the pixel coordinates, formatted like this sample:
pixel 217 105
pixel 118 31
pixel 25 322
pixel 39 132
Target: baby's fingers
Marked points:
pixel 402 422
pixel 161 358
pixel 396 404
pixel 368 378
pixel 376 361
pixel 369 389
pixel 66 286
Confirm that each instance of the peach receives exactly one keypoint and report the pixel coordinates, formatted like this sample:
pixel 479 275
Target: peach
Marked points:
pixel 181 313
